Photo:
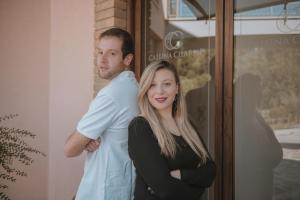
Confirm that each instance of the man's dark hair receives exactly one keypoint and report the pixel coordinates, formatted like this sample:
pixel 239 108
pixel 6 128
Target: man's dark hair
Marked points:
pixel 124 36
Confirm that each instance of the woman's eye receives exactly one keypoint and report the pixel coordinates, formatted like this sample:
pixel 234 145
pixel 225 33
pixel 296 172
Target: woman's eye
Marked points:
pixel 168 84
pixel 113 53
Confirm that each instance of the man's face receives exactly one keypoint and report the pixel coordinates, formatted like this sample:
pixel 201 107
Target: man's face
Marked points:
pixel 110 60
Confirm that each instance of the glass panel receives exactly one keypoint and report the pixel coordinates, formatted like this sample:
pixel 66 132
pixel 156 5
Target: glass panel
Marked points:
pixel 267 100
pixel 172 8
pixel 187 40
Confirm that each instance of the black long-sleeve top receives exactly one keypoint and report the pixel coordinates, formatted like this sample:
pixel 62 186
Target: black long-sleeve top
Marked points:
pixel 153 181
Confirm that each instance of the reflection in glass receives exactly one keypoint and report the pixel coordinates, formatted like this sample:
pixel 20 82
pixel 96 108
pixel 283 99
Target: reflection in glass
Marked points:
pixel 257 149
pixel 172 8
pixel 267 100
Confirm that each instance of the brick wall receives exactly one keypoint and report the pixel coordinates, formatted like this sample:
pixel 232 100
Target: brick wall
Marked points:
pixel 108 14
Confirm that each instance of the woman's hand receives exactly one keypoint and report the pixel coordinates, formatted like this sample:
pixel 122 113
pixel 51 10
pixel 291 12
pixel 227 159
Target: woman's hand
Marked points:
pixel 175 174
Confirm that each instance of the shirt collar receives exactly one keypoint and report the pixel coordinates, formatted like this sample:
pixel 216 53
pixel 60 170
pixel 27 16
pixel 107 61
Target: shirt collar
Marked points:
pixel 124 74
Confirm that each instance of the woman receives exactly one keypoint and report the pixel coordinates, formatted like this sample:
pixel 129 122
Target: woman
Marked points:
pixel 170 159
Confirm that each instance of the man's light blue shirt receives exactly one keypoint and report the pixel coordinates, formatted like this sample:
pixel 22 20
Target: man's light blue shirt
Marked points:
pixel 108 171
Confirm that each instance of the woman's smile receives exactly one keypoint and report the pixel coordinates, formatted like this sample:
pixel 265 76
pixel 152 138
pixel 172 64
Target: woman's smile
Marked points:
pixel 161 99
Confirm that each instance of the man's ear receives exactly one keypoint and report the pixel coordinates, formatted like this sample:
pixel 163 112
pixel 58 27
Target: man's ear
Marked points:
pixel 128 59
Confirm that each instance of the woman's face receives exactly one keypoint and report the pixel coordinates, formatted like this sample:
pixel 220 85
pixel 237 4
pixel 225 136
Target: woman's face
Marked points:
pixel 163 90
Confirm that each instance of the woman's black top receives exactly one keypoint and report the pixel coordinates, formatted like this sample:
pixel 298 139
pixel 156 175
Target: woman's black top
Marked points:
pixel 153 180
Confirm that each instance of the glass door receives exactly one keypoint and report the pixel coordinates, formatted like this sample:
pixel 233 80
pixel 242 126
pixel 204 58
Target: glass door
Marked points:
pixel 267 100
pixel 183 32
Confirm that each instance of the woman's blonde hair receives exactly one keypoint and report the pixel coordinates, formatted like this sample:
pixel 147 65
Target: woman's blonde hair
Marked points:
pixel 165 139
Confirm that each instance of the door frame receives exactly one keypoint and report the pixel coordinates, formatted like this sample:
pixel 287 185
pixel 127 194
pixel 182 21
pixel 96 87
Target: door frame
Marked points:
pixel 224 132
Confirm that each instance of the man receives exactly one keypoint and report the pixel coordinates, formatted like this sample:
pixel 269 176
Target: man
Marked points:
pixel 108 172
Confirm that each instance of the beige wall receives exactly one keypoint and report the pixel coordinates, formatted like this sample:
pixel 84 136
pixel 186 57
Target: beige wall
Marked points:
pixel 24 84
pixel 46 76
pixel 71 87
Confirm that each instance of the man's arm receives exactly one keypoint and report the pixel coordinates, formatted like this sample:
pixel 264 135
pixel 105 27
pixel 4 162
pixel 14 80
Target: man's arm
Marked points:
pixel 75 144
pixel 93 124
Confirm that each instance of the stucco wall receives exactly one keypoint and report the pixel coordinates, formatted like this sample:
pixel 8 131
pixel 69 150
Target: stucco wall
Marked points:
pixel 46 76
pixel 71 87
pixel 24 85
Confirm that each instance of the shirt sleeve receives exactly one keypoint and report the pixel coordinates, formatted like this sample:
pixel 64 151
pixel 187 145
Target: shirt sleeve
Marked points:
pixel 201 176
pixel 100 116
pixel 147 158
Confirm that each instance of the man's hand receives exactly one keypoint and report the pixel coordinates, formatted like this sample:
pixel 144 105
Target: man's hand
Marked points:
pixel 75 144
pixel 93 145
